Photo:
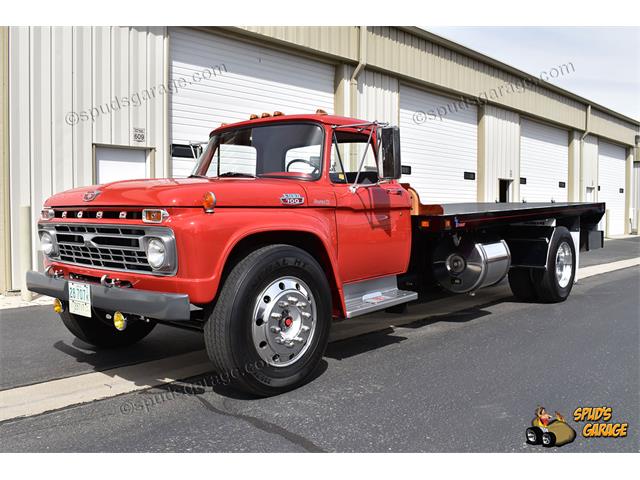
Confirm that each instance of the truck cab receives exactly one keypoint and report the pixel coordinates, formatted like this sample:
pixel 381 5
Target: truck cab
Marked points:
pixel 287 223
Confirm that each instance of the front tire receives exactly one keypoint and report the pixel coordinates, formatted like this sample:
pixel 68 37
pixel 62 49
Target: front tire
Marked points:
pixel 534 435
pixel 270 325
pixel 98 332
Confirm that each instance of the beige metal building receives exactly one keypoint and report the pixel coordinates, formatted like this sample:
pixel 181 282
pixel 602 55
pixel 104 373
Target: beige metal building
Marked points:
pixel 83 105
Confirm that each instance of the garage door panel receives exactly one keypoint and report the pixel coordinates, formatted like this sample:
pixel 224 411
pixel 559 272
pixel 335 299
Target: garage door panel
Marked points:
pixel 611 179
pixel 257 79
pixel 544 162
pixel 438 151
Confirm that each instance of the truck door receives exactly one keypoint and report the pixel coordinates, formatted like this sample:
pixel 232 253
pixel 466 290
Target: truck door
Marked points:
pixel 373 222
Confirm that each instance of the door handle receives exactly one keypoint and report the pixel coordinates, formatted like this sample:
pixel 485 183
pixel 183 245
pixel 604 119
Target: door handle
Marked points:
pixel 394 191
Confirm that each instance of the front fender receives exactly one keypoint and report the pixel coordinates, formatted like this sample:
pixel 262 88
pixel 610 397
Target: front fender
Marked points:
pixel 205 241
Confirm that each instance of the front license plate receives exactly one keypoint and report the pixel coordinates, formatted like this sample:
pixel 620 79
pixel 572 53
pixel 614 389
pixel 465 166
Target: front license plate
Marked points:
pixel 80 299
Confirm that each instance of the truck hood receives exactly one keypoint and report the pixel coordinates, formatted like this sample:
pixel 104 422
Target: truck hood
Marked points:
pixel 185 192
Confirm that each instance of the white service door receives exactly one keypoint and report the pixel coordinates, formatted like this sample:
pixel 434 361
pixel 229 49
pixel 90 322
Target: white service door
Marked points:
pixel 611 178
pixel 247 79
pixel 115 164
pixel 439 140
pixel 544 162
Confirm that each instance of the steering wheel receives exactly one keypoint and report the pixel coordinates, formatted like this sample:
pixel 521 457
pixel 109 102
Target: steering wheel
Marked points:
pixel 302 160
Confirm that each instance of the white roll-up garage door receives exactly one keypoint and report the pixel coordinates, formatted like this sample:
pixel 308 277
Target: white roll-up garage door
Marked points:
pixel 544 162
pixel 246 79
pixel 611 179
pixel 439 139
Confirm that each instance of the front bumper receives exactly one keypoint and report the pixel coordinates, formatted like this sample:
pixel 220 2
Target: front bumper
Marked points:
pixel 154 305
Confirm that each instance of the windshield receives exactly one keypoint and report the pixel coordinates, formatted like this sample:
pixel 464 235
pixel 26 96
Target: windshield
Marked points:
pixel 286 150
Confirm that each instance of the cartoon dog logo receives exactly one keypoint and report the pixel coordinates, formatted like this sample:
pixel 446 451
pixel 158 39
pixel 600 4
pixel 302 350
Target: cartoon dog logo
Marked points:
pixel 549 431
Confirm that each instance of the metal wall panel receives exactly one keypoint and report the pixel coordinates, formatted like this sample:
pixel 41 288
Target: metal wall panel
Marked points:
pixel 499 155
pixel 378 97
pixel 589 169
pixel 19 137
pixel 5 180
pixel 635 202
pixel 340 41
pixel 56 71
pixel 616 129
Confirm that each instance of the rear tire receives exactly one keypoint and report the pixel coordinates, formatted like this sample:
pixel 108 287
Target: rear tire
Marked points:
pixel 273 292
pixel 521 283
pixel 96 330
pixel 554 284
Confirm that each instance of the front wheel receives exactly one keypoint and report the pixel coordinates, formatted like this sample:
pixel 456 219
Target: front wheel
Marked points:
pixel 270 325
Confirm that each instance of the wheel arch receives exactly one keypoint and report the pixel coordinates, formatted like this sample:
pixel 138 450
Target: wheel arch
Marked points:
pixel 303 239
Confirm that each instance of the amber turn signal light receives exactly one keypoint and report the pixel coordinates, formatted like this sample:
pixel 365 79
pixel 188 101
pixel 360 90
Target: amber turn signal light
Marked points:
pixel 209 202
pixel 154 215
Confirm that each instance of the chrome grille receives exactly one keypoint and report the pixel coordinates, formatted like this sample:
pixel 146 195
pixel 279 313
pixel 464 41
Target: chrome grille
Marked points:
pixel 112 247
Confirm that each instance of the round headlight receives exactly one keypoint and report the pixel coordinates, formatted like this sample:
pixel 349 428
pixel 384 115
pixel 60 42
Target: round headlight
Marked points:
pixel 156 253
pixel 47 244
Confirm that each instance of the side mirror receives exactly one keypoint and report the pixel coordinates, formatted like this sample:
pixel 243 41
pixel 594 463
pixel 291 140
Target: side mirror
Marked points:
pixel 389 167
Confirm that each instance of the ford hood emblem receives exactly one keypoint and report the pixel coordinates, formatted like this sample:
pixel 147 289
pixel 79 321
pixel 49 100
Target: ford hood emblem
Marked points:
pixel 91 195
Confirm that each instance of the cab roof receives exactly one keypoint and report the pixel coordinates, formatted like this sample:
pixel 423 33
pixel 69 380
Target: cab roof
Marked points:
pixel 315 117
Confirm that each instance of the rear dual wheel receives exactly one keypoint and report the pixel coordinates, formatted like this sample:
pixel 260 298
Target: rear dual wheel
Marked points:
pixel 554 283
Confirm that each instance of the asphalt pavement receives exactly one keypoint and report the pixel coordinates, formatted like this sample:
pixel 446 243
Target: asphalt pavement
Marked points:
pixel 465 375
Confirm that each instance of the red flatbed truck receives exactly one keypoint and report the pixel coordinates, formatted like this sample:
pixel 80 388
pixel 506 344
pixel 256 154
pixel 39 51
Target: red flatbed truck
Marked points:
pixel 287 223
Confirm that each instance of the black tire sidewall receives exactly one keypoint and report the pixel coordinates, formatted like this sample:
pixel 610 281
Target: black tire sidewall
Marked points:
pixel 252 369
pixel 548 287
pixel 97 332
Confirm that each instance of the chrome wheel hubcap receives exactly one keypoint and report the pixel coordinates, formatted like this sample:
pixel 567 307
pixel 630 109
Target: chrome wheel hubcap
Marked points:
pixel 564 264
pixel 284 321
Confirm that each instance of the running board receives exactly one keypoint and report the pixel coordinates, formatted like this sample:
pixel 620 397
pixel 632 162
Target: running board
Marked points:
pixel 373 295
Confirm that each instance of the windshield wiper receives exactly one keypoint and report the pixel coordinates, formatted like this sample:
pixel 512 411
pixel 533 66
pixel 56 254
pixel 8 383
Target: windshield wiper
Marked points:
pixel 236 174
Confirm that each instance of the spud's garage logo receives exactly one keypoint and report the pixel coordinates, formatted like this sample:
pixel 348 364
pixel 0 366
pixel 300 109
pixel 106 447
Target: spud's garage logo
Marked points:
pixel 598 422
pixel 549 431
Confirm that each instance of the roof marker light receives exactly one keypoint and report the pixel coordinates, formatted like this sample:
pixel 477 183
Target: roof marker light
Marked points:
pixel 277 113
pixel 265 115
pixel 253 116
pixel 321 112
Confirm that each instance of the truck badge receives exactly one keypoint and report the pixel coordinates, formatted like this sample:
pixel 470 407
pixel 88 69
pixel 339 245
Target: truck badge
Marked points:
pixel 91 195
pixel 291 199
